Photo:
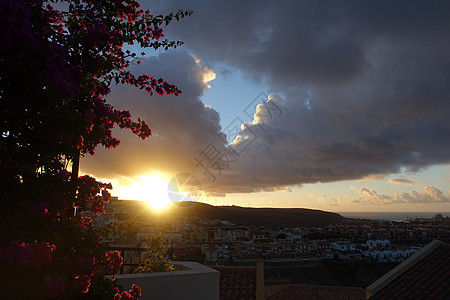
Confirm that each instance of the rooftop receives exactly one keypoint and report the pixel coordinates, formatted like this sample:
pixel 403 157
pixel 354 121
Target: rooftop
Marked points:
pixel 303 291
pixel 425 275
pixel 237 282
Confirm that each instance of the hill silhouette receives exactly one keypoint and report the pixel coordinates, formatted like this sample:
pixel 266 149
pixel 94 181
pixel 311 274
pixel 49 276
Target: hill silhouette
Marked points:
pixel 276 217
pixel 286 217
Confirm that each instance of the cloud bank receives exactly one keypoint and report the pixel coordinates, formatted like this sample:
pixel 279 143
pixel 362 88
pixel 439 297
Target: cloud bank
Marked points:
pixel 357 89
pixel 402 181
pixel 429 194
pixel 181 125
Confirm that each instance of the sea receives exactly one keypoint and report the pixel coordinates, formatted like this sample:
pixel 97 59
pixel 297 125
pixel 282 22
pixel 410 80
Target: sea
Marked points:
pixel 391 216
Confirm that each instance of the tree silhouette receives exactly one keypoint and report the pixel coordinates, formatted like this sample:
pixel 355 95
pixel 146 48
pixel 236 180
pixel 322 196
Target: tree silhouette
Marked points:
pixel 155 259
pixel 56 67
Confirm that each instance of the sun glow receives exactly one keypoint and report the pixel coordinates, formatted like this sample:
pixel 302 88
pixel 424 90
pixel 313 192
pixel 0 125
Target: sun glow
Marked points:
pixel 150 188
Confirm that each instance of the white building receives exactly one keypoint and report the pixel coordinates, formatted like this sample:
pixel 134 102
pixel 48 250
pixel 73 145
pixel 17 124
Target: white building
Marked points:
pixel 371 244
pixel 343 246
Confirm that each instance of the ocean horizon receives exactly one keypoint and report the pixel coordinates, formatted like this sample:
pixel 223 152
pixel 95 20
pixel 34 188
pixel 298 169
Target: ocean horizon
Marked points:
pixel 391 216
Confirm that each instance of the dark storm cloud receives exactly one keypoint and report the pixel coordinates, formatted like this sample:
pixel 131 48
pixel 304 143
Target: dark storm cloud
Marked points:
pixel 364 89
pixel 384 130
pixel 302 42
pixel 180 125
pixel 378 74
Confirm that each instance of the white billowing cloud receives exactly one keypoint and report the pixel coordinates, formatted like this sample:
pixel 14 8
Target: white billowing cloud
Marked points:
pixel 402 181
pixel 429 194
pixel 204 74
pixel 372 197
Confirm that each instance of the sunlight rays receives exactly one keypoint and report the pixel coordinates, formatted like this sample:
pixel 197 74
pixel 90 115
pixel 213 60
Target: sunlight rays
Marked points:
pixel 150 188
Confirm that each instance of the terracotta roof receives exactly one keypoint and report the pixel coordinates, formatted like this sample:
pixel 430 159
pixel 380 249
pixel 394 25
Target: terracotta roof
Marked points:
pixel 211 247
pixel 237 283
pixel 427 276
pixel 316 292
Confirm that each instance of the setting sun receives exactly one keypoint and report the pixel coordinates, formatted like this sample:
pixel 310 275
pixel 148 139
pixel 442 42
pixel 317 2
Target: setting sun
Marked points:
pixel 149 188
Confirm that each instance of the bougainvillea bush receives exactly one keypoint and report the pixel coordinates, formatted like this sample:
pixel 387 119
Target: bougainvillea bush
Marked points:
pixel 58 60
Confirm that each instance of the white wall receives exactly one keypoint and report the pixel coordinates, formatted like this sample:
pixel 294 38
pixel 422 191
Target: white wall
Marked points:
pixel 198 283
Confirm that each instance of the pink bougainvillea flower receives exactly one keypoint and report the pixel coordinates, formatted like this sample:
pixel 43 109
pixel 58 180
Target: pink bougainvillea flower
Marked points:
pixel 16 254
pixel 42 253
pixel 135 291
pixel 38 209
pixel 106 195
pixel 52 286
pixel 85 265
pixel 132 294
pixel 26 255
pixel 82 283
pixel 115 260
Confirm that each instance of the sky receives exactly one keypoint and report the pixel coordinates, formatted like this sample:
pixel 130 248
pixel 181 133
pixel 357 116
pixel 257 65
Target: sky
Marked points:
pixel 333 105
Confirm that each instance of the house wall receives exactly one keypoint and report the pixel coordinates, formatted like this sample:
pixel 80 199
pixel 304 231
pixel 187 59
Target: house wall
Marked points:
pixel 198 282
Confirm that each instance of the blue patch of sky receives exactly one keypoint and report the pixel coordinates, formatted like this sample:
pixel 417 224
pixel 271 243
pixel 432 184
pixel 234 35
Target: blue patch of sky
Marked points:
pixel 231 92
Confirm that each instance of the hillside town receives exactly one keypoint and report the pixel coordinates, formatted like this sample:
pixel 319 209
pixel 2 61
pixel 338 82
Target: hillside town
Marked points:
pixel 220 242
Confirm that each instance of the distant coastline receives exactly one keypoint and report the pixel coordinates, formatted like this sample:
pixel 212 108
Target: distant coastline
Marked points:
pixel 391 216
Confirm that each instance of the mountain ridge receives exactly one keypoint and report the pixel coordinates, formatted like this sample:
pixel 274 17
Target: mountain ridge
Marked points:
pixel 264 216
pixel 270 216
